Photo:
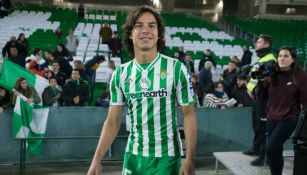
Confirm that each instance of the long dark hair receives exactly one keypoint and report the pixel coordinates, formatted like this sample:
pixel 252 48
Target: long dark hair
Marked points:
pixel 18 88
pixel 132 19
pixel 295 70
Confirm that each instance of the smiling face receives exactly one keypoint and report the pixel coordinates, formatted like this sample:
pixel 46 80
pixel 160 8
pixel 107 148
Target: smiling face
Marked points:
pixel 144 34
pixel 285 60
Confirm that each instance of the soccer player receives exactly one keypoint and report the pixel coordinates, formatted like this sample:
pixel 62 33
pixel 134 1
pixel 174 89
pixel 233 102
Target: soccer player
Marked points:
pixel 150 84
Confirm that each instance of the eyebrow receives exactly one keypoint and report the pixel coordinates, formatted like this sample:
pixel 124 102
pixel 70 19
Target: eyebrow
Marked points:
pixel 152 22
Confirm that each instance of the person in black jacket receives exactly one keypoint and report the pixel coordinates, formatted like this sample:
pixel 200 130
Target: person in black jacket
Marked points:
pixel 189 63
pixel 8 45
pixel 5 99
pixel 16 58
pixel 229 78
pixel 52 95
pixel 75 91
pixel 60 76
pixel 64 64
pixel 207 57
pixel 239 92
pixel 246 57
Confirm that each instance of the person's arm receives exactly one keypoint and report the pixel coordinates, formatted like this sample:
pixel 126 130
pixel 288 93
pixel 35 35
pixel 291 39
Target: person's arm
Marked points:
pixel 109 132
pixel 190 133
pixel 35 96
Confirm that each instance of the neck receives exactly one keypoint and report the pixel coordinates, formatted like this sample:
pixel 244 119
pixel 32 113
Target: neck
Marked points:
pixel 145 57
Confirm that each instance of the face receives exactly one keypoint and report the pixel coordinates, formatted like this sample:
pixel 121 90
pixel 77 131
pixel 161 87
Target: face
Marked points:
pixel 55 67
pixel 231 66
pixel 220 88
pixel 53 82
pixel 75 75
pixel 207 52
pixel 22 37
pixel 24 84
pixel 59 48
pixel 144 34
pixel 261 44
pixel 2 92
pixel 188 57
pixel 176 54
pixel 181 49
pixel 285 60
pixel 39 55
pixel 241 83
pixel 194 80
pixel 14 52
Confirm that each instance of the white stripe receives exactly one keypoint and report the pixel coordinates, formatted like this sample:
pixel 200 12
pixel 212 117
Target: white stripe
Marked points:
pixel 145 121
pixel 40 84
pixel 169 126
pixel 23 132
pixel 156 112
pixel 178 88
pixel 134 109
pixel 17 108
pixel 39 120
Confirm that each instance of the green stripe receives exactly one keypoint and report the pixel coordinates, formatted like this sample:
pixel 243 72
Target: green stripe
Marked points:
pixel 163 121
pixel 174 116
pixel 184 88
pixel 150 114
pixel 139 113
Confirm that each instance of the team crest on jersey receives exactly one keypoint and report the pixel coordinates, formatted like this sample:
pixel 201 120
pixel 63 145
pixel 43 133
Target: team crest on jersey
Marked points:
pixel 145 83
pixel 163 74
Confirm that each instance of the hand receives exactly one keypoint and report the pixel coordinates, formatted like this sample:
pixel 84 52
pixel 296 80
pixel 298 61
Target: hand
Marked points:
pixel 240 105
pixel 187 168
pixel 1 109
pixel 221 78
pixel 15 93
pixel 95 169
pixel 30 100
pixel 77 99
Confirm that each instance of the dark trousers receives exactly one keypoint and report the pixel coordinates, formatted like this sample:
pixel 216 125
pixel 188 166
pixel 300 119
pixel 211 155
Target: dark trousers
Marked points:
pixel 259 127
pixel 278 133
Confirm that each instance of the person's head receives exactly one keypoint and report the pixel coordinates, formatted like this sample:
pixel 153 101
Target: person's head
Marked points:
pixel 263 42
pixel 3 92
pixel 99 58
pixel 208 52
pixel 242 80
pixel 245 48
pixel 194 78
pixel 219 87
pixel 188 57
pixel 287 58
pixel 21 84
pixel 37 52
pixel 111 64
pixel 60 48
pixel 232 66
pixel 144 30
pixel 78 64
pixel 53 82
pixel 208 65
pixel 49 55
pixel 14 51
pixel 181 49
pixel 55 66
pixel 235 59
pixel 75 74
pixel 13 39
pixel 115 34
pixel 176 55
pixel 105 25
pixel 21 36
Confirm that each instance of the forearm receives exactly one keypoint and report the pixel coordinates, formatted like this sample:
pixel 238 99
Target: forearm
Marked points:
pixel 190 132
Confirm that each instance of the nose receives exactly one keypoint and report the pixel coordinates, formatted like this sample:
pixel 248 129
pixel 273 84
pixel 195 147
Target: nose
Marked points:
pixel 145 29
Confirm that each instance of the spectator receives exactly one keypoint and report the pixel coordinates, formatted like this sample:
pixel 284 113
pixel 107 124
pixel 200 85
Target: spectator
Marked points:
pixel 110 70
pixel 236 60
pixel 75 91
pixel 246 57
pixel 65 67
pixel 176 55
pixel 215 96
pixel 61 50
pixel 58 74
pixel 51 94
pixel 207 57
pixel 58 33
pixel 5 99
pixel 104 99
pixel 8 45
pixel 82 71
pixel 5 7
pixel 197 90
pixel 105 33
pixel 181 54
pixel 91 67
pixel 24 43
pixel 71 43
pixel 115 45
pixel 189 64
pixel 239 92
pixel 21 86
pixel 229 77
pixel 15 57
pixel 205 76
pixel 36 64
pixel 81 11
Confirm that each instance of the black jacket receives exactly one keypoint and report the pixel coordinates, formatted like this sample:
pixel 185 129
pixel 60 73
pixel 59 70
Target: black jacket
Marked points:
pixel 75 88
pixel 246 58
pixel 204 60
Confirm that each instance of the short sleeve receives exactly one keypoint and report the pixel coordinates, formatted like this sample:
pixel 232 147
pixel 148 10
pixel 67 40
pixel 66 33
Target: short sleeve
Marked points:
pixel 184 89
pixel 117 96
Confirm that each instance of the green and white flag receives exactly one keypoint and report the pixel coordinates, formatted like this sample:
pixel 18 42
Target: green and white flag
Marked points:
pixel 11 72
pixel 29 121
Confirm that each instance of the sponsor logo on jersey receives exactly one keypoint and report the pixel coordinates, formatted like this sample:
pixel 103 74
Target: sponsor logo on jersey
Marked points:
pixel 163 74
pixel 161 93
pixel 145 83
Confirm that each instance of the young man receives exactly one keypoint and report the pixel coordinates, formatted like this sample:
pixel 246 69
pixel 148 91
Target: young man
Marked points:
pixel 150 85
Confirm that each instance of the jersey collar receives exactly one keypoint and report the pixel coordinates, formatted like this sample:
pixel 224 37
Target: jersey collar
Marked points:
pixel 140 68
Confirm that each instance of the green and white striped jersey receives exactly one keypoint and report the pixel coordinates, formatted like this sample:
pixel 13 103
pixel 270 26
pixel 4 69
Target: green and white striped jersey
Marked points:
pixel 151 96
